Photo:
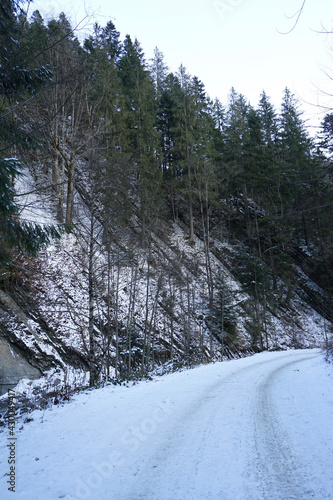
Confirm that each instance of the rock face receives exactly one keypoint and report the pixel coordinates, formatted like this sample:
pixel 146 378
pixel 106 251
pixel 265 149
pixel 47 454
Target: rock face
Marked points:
pixel 28 345
pixel 14 366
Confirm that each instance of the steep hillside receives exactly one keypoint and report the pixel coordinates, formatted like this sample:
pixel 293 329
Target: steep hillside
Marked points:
pixel 192 230
pixel 148 306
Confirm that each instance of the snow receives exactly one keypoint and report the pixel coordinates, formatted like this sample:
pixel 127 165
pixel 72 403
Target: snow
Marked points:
pixel 252 428
pixel 176 271
pixel 53 380
pixel 34 206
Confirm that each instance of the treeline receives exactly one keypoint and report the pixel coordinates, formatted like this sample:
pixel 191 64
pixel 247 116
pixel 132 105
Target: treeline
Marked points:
pixel 141 140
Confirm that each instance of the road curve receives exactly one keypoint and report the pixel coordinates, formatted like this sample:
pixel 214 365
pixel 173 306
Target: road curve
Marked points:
pixel 234 438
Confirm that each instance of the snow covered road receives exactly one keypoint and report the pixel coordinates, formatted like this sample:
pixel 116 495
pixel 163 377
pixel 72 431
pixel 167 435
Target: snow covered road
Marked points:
pixel 255 428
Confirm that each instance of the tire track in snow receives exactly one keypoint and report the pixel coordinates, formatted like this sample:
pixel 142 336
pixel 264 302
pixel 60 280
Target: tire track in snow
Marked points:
pixel 208 442
pixel 225 439
pixel 281 472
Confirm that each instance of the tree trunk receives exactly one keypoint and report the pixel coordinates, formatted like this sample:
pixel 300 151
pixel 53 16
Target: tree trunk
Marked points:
pixel 145 333
pixel 91 305
pixel 70 193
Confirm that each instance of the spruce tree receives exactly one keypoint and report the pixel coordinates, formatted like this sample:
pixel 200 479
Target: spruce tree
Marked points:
pixel 295 165
pixel 158 71
pixel 18 81
pixel 141 139
pixel 222 314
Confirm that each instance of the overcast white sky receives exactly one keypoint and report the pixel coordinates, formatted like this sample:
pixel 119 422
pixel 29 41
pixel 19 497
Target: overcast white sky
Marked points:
pixel 225 43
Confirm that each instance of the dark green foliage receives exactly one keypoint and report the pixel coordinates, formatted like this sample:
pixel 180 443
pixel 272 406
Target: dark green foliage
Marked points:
pixel 253 274
pixel 106 39
pixel 23 236
pixel 255 278
pixel 141 137
pixel 27 237
pixel 20 76
pixel 19 79
pixel 9 169
pixel 146 142
pixel 222 316
pixel 327 132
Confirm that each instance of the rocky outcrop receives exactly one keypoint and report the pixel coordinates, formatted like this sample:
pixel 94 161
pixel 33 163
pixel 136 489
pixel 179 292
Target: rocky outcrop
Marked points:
pixel 14 366
pixel 28 347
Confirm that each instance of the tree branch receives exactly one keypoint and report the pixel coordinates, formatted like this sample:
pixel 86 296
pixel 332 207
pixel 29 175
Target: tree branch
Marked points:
pixel 297 15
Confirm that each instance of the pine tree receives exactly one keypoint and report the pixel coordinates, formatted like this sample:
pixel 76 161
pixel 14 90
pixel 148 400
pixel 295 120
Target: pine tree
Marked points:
pixel 17 82
pixel 294 163
pixel 109 40
pixel 269 121
pixel 141 139
pixel 20 77
pixel 223 318
pixel 17 237
pixel 61 108
pixel 254 277
pixel 236 135
pixel 158 71
pixel 327 134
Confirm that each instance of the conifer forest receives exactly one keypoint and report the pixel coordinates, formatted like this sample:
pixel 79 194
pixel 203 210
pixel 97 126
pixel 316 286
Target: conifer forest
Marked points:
pixel 145 224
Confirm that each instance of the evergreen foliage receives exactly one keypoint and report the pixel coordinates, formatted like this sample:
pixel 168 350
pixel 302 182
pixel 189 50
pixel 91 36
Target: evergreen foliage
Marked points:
pixel 15 234
pixel 19 79
pixel 138 143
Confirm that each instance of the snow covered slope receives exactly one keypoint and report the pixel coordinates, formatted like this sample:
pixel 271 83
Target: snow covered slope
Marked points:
pixel 148 302
pixel 254 428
